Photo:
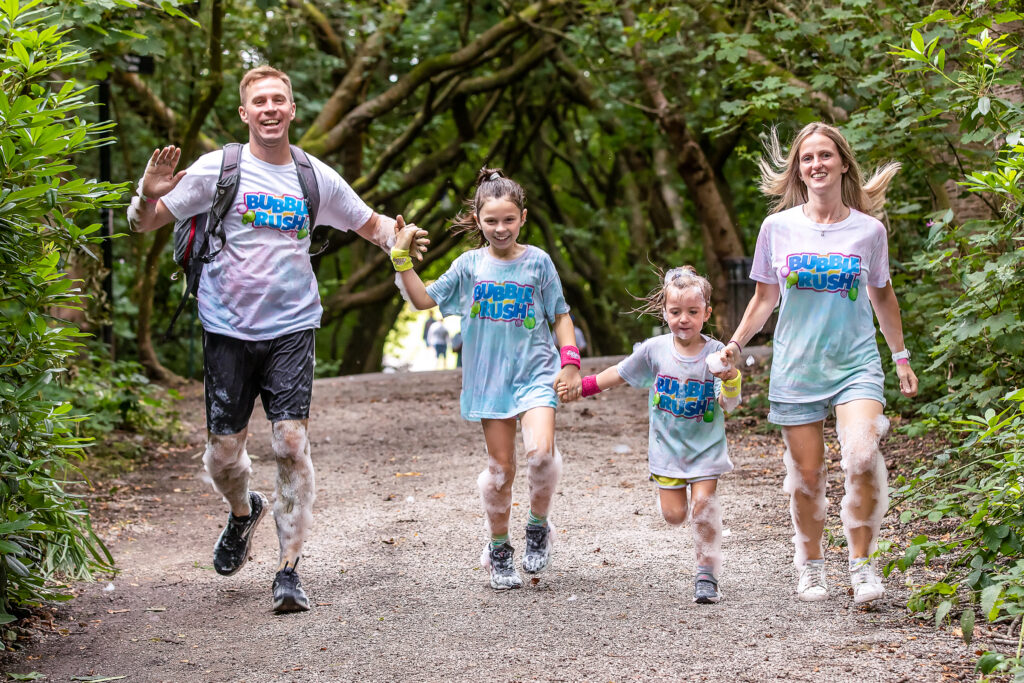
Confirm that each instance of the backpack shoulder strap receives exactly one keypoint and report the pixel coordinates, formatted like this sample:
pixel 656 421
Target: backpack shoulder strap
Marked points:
pixel 224 195
pixel 309 185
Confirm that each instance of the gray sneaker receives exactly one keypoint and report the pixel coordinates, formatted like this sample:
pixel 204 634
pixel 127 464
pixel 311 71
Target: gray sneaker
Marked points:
pixel 288 593
pixel 503 568
pixel 538 548
pixel 232 549
pixel 705 589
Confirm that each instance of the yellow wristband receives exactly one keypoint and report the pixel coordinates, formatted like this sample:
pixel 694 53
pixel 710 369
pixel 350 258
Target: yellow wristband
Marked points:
pixel 731 387
pixel 400 259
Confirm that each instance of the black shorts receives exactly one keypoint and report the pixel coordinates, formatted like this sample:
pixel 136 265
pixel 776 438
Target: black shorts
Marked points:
pixel 279 370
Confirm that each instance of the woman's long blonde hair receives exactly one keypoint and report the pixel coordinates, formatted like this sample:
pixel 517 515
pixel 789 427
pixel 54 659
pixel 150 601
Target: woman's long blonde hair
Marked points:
pixel 780 173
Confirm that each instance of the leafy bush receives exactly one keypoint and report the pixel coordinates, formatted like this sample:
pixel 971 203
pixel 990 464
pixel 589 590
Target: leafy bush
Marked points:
pixel 45 531
pixel 973 489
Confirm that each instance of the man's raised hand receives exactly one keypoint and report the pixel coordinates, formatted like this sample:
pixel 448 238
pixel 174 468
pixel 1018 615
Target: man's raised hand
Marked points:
pixel 160 177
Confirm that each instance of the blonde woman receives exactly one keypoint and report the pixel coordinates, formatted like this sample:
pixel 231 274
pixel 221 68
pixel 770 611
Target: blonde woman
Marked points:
pixel 821 250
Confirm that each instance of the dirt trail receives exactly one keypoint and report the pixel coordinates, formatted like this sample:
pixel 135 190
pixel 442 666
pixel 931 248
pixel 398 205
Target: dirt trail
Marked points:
pixel 392 568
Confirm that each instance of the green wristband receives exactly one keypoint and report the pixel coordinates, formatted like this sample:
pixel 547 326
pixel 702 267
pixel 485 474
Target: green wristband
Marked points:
pixel 400 259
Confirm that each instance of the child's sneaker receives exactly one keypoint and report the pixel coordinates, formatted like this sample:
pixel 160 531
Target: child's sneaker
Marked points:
pixel 502 565
pixel 867 586
pixel 288 593
pixel 538 548
pixel 705 590
pixel 812 586
pixel 232 549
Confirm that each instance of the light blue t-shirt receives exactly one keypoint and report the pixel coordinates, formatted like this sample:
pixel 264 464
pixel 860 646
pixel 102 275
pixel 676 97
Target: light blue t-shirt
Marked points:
pixel 687 435
pixel 825 337
pixel 509 356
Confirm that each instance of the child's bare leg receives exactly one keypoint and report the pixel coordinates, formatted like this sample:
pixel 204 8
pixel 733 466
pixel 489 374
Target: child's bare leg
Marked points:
pixel 495 482
pixel 707 525
pixel 544 462
pixel 805 483
pixel 673 505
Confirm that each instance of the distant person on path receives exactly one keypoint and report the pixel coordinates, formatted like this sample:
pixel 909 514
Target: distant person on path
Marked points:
pixel 259 306
pixel 686 443
pixel 430 322
pixel 457 348
pixel 581 340
pixel 507 294
pixel 437 339
pixel 822 249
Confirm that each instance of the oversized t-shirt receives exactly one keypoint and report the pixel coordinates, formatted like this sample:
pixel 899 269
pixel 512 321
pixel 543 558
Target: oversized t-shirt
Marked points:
pixel 261 285
pixel 509 358
pixel 825 335
pixel 687 434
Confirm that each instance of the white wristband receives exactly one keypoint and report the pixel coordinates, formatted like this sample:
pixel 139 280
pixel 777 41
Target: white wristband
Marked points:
pixel 900 355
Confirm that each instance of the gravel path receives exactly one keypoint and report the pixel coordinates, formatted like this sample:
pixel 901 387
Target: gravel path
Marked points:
pixel 398 593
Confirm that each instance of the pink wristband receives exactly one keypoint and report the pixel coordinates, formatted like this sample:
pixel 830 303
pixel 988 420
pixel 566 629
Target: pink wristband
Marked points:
pixel 570 355
pixel 590 386
pixel 903 361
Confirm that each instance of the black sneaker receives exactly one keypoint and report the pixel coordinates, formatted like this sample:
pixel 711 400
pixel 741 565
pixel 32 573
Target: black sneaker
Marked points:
pixel 705 590
pixel 232 549
pixel 503 568
pixel 538 548
pixel 288 593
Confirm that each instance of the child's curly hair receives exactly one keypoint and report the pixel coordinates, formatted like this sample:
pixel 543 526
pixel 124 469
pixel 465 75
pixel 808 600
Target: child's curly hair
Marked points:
pixel 681 278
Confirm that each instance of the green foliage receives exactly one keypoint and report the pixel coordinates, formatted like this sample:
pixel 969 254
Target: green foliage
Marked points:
pixel 117 396
pixel 44 530
pixel 958 70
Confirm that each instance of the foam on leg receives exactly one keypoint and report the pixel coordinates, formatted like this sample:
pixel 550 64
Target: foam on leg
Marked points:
pixel 495 484
pixel 544 468
pixel 293 508
pixel 866 486
pixel 229 466
pixel 707 532
pixel 806 491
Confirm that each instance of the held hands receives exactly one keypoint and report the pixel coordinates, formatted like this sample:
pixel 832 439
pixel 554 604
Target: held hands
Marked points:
pixel 567 384
pixel 410 238
pixel 908 380
pixel 160 178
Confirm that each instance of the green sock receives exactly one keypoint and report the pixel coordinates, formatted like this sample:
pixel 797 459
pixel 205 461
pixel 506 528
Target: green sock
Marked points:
pixel 498 540
pixel 536 520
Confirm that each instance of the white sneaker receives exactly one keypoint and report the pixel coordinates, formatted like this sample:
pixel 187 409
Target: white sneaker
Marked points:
pixel 867 586
pixel 812 586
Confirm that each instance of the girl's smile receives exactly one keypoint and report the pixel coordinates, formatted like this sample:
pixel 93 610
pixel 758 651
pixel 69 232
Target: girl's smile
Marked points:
pixel 500 220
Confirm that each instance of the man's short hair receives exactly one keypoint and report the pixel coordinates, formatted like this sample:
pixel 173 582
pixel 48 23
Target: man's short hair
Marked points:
pixel 265 71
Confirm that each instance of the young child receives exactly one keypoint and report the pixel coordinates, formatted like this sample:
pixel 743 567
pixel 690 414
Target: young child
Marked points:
pixel 507 294
pixel 687 435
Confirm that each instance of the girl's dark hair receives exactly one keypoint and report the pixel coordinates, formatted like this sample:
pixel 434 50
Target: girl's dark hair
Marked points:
pixel 491 183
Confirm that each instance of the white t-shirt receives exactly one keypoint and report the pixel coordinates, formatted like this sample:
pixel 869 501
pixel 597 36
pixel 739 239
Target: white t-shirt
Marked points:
pixel 825 336
pixel 261 285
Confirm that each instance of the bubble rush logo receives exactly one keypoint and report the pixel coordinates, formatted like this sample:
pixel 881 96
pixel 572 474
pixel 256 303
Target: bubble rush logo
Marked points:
pixel 823 273
pixel 504 302
pixel 284 213
pixel 693 399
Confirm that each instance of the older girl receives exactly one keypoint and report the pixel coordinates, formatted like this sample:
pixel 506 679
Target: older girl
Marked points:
pixel 508 294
